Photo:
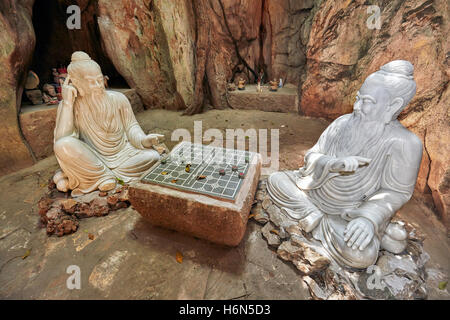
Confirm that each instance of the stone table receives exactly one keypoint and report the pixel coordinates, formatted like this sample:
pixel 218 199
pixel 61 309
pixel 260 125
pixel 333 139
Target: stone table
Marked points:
pixel 205 215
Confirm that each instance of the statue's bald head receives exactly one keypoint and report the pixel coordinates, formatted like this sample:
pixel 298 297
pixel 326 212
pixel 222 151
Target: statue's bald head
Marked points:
pixel 397 78
pixel 80 64
pixel 85 73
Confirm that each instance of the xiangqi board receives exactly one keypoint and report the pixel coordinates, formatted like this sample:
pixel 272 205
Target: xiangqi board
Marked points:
pixel 213 171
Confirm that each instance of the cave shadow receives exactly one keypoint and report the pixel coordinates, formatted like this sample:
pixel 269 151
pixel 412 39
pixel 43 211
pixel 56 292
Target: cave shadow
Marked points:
pixel 55 42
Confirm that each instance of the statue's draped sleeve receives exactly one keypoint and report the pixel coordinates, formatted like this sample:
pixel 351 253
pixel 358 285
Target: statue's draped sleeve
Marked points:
pixel 132 128
pixel 316 170
pixel 62 125
pixel 397 184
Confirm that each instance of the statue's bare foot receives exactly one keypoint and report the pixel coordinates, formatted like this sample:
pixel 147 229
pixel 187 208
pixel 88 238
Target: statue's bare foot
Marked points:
pixel 310 222
pixel 62 184
pixel 58 176
pixel 61 181
pixel 395 238
pixel 107 185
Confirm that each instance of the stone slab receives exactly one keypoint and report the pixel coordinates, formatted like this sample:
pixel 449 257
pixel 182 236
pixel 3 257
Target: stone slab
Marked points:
pixel 283 100
pixel 38 123
pixel 220 221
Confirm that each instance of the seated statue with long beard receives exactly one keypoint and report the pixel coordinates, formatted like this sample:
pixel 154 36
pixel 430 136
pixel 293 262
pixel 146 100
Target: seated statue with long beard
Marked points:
pixel 360 172
pixel 97 139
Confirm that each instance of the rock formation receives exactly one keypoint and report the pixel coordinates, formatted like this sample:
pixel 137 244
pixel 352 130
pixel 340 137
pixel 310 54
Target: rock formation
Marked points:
pixel 181 54
pixel 17 43
pixel 134 39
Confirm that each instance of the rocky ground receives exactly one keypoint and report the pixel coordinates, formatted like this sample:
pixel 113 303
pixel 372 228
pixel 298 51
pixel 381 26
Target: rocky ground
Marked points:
pixel 121 256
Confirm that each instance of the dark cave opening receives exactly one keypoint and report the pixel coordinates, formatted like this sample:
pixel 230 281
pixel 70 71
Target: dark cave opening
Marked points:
pixel 55 43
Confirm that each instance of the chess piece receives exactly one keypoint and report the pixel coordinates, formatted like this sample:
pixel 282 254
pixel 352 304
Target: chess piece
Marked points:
pixel 97 139
pixel 360 172
pixel 273 85
pixel 241 84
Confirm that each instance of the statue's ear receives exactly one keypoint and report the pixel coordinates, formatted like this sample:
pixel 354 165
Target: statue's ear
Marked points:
pixel 393 109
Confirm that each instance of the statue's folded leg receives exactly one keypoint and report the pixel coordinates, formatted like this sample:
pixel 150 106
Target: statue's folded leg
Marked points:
pixel 292 201
pixel 84 170
pixel 331 233
pixel 135 166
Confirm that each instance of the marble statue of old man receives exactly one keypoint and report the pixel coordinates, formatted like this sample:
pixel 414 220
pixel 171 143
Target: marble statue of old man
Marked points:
pixel 360 172
pixel 97 139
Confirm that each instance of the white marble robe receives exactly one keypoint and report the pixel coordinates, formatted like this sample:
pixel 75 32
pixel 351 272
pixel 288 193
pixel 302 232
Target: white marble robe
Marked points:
pixel 378 189
pixel 105 144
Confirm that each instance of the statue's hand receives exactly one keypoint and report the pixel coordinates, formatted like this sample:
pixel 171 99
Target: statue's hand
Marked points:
pixel 151 139
pixel 68 92
pixel 348 164
pixel 359 233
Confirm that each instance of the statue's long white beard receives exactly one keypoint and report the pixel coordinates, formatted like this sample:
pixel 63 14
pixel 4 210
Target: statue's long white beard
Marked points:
pixel 358 135
pixel 99 107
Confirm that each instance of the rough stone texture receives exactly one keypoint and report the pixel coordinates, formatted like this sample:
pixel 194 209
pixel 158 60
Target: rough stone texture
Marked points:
pixel 178 22
pixel 134 39
pixel 303 256
pixel 342 51
pixel 286 25
pixel 270 234
pixel 38 123
pixel 59 212
pixel 219 221
pixel 16 48
pixel 283 100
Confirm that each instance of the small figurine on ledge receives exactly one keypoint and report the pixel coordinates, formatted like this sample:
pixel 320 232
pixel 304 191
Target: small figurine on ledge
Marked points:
pixel 273 85
pixel 241 84
pixel 49 95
